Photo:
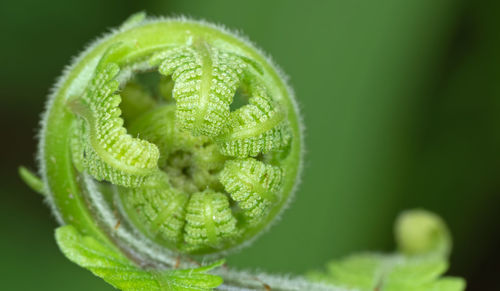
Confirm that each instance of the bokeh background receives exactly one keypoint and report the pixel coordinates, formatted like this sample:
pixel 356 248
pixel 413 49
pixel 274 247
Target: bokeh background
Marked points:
pixel 401 100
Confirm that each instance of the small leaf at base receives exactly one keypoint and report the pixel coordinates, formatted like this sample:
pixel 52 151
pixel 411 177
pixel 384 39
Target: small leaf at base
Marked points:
pixel 32 180
pixel 106 262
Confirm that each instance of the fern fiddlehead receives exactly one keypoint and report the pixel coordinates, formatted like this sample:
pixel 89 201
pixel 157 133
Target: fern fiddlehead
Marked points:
pixel 143 149
pixel 166 142
pixel 170 165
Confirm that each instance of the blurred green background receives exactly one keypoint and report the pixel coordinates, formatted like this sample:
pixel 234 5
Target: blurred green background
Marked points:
pixel 401 100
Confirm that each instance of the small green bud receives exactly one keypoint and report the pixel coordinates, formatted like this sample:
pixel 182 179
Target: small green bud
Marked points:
pixel 422 232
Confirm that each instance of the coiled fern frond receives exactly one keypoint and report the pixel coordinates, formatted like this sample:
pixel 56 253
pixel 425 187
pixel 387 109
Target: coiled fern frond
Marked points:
pixel 168 144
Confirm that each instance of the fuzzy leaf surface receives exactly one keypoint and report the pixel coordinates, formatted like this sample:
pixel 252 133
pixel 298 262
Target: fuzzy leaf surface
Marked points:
pixel 376 272
pixel 107 263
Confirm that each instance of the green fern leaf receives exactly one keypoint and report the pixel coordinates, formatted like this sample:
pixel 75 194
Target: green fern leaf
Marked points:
pixel 258 127
pixel 162 208
pixel 209 220
pixel 108 152
pixel 376 272
pixel 107 263
pixel 253 185
pixel 205 81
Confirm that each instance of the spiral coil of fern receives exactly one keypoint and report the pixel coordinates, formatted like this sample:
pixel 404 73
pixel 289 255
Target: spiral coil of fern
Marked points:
pixel 168 142
pixel 170 136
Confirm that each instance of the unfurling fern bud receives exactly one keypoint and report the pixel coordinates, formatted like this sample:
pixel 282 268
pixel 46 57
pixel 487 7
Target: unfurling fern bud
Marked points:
pixel 170 138
pixel 171 142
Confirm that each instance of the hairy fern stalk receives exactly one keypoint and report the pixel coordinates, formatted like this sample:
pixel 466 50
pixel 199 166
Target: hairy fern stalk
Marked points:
pixel 169 142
